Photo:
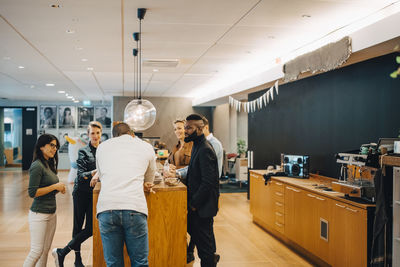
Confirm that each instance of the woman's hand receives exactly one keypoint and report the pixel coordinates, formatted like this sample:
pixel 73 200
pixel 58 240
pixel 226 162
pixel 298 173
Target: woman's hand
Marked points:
pixel 60 187
pixel 93 173
pixel 172 171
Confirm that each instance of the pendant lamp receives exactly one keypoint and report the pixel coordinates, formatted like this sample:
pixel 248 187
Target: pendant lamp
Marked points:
pixel 139 114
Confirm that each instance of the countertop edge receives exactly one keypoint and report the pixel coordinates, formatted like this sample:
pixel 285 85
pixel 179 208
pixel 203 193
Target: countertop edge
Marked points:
pixel 297 182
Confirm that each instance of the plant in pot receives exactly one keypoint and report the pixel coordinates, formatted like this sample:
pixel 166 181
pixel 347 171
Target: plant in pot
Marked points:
pixel 241 148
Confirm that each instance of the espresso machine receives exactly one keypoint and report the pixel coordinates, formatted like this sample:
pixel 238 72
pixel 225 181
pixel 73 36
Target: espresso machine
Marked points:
pixel 356 180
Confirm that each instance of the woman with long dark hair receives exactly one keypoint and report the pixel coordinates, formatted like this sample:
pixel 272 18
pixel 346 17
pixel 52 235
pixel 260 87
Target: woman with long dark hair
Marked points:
pixel 43 187
pixel 83 197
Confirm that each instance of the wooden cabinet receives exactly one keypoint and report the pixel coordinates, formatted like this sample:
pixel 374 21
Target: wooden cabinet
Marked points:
pixel 317 219
pixel 396 217
pixel 278 206
pixel 295 215
pixel 349 235
pixel 331 229
pixel 261 203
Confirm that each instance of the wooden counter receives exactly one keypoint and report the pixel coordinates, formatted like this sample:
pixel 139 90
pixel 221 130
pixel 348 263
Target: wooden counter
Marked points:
pixel 167 227
pixel 321 225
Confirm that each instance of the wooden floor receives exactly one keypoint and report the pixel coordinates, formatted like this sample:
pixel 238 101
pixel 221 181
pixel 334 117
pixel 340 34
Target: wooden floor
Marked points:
pixel 239 242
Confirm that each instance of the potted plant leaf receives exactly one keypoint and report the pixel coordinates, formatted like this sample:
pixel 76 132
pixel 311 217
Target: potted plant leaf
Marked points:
pixel 241 148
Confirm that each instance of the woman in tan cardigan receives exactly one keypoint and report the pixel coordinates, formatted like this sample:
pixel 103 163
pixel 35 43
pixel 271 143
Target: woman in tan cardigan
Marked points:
pixel 180 155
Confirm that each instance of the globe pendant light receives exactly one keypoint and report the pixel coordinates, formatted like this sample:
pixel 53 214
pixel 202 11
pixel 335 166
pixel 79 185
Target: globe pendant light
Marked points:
pixel 139 114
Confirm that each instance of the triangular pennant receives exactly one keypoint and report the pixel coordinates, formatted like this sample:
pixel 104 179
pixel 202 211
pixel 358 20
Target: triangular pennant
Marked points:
pixel 268 95
pixel 271 91
pixel 240 105
pixel 265 99
pixel 276 87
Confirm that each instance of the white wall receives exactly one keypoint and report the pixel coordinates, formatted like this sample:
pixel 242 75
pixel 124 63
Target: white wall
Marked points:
pixel 229 126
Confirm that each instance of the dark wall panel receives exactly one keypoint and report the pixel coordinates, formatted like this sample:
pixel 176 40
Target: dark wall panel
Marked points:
pixel 328 113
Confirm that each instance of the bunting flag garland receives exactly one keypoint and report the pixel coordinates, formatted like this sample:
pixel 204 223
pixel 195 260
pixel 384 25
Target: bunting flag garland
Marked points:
pixel 271 91
pixel 256 104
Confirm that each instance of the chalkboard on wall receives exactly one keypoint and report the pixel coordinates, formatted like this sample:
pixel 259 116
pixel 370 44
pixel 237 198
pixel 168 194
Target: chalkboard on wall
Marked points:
pixel 328 113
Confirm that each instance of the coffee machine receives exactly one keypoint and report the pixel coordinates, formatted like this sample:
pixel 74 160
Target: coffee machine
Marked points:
pixel 356 179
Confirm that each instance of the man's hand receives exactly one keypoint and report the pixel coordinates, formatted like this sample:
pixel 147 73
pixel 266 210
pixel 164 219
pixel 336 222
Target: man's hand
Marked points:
pixel 94 180
pixel 148 187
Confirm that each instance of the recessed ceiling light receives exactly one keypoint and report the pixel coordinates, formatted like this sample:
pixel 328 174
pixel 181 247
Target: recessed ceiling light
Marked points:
pixel 306 16
pixel 21 67
pixel 76 101
pixel 56 6
pixel 78 48
pixel 6 58
pixel 90 68
pixel 61 92
pixel 70 31
pixel 70 96
pixel 84 59
pixel 155 70
pixel 66 94
pixel 50 84
pixel 32 86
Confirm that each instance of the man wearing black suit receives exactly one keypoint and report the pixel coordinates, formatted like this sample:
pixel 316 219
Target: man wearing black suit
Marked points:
pixel 202 191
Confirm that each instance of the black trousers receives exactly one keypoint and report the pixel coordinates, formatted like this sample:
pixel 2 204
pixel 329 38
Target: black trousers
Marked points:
pixel 83 209
pixel 201 231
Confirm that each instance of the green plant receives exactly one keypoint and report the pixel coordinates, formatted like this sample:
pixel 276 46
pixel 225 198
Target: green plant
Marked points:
pixel 395 73
pixel 241 146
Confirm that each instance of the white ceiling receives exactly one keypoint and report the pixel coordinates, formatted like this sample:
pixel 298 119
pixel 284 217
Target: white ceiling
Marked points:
pixel 210 38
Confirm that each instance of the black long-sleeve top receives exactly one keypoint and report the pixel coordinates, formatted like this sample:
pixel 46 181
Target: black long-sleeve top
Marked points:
pixel 86 164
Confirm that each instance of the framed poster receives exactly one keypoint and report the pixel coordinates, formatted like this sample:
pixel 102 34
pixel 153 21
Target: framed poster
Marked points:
pixel 85 115
pixel 67 116
pixel 48 117
pixel 103 115
pixel 63 141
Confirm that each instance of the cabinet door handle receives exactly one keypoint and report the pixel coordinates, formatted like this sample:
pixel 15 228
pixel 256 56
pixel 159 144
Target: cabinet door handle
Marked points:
pixel 292 189
pixel 279 214
pixel 278 204
pixel 352 210
pixel 280 225
pixel 278 194
pixel 310 195
pixel 278 183
pixel 340 206
pixel 320 199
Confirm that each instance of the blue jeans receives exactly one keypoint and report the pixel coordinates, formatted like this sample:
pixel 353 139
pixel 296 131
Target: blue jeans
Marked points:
pixel 119 226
